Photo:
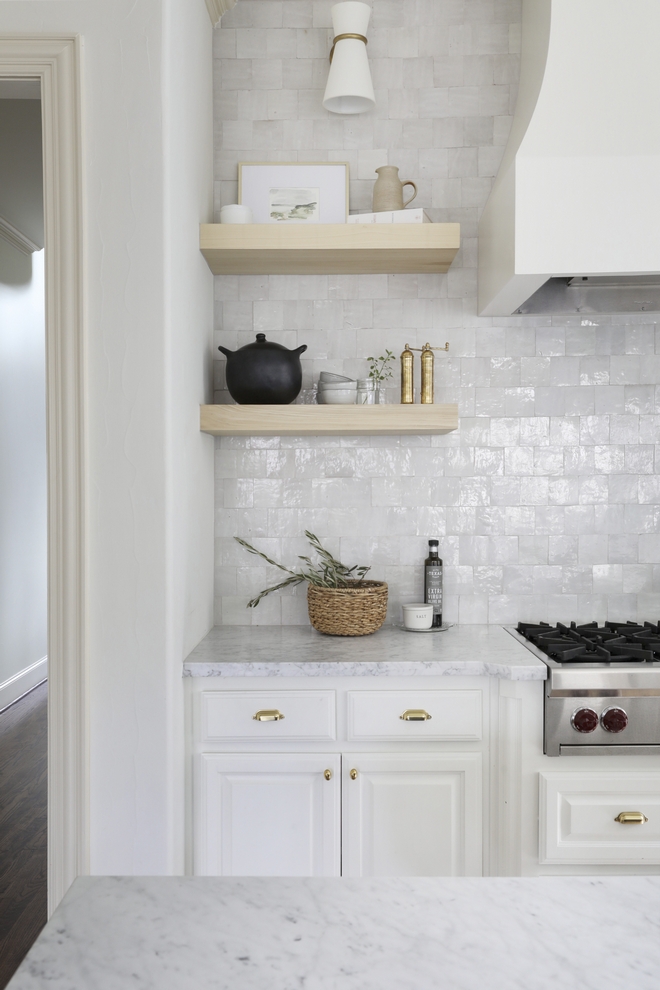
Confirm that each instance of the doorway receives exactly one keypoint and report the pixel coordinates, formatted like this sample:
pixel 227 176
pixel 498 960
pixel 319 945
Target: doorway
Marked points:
pixel 54 64
pixel 23 506
pixel 23 526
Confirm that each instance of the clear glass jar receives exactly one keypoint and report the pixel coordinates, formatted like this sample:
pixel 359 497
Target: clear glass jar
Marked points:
pixel 307 396
pixel 366 392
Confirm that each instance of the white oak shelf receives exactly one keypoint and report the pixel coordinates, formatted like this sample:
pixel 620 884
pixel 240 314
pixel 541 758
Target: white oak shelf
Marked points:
pixel 299 420
pixel 331 249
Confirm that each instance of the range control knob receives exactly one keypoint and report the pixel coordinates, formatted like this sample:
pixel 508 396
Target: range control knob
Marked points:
pixel 614 719
pixel 584 720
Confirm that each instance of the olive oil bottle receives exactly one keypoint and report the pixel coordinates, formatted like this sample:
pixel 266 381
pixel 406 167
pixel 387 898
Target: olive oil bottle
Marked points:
pixel 433 582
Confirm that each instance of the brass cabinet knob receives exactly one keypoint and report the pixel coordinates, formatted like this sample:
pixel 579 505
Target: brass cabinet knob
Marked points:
pixel 631 818
pixel 353 774
pixel 327 774
pixel 268 715
pixel 415 715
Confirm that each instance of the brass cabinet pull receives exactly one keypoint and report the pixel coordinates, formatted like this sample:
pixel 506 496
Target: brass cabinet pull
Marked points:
pixel 268 715
pixel 415 715
pixel 327 774
pixel 353 775
pixel 631 818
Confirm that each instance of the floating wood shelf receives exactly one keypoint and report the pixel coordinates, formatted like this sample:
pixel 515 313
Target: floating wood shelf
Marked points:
pixel 331 249
pixel 299 420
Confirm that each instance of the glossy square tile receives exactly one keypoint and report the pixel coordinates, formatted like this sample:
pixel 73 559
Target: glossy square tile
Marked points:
pixel 547 498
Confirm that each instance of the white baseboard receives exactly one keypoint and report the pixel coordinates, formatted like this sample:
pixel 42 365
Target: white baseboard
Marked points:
pixel 18 685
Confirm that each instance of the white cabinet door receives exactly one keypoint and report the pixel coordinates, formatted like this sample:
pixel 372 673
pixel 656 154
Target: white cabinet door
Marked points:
pixel 412 816
pixel 267 815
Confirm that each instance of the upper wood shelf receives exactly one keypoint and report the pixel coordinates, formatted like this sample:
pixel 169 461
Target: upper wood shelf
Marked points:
pixel 299 420
pixel 329 249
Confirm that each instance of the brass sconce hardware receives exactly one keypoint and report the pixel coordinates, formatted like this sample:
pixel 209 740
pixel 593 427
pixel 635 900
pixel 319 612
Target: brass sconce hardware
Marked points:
pixel 342 37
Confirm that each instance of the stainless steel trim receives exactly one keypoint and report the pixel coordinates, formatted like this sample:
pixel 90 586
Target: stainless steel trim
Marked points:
pixel 609 677
pixel 592 295
pixel 607 693
pixel 608 750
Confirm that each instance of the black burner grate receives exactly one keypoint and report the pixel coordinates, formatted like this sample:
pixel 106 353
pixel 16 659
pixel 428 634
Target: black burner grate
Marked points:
pixel 615 642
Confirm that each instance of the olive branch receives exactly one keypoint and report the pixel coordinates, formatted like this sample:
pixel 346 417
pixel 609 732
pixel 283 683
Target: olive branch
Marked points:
pixel 328 572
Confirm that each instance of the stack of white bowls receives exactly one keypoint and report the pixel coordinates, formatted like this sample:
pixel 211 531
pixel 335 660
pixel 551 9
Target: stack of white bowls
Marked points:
pixel 336 390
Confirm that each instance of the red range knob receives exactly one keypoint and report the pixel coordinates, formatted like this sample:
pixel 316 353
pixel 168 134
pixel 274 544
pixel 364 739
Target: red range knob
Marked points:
pixel 614 719
pixel 584 720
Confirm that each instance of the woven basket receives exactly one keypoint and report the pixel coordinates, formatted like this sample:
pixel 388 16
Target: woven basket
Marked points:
pixel 354 611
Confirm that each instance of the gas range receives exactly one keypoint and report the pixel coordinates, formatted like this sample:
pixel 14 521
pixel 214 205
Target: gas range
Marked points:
pixel 602 694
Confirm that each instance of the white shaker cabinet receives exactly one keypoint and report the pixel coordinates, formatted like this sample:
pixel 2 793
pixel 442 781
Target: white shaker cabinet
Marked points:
pixel 338 780
pixel 414 815
pixel 268 815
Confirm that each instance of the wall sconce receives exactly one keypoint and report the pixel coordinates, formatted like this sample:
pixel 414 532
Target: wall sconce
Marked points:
pixel 349 88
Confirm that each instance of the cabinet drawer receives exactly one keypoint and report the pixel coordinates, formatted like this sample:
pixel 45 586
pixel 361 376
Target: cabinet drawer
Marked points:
pixel 377 715
pixel 578 812
pixel 230 715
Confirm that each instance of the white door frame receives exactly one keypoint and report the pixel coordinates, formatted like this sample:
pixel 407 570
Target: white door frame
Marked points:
pixel 56 62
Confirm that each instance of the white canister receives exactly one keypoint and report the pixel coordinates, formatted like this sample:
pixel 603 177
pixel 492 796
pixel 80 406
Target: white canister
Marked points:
pixel 417 616
pixel 235 213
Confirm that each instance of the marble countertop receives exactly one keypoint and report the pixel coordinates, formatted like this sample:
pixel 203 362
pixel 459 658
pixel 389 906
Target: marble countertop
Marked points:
pixel 294 651
pixel 211 933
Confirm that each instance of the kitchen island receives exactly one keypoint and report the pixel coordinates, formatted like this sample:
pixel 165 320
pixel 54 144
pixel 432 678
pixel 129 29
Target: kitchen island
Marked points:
pixel 175 933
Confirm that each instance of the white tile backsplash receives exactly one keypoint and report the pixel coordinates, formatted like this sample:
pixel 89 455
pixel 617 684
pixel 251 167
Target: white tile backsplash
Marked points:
pixel 547 499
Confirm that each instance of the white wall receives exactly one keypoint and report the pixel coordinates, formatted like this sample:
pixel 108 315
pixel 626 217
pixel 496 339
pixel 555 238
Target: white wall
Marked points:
pixel 147 158
pixel 22 470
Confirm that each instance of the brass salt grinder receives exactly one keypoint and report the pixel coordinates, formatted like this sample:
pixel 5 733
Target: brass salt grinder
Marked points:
pixel 407 373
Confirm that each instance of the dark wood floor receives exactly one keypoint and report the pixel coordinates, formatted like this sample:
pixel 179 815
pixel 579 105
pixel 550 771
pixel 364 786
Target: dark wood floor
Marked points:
pixel 23 765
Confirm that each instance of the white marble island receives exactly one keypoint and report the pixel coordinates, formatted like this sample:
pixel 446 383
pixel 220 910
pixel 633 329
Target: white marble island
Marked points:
pixel 175 933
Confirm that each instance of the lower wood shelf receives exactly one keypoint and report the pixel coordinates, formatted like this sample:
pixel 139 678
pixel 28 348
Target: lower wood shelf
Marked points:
pixel 299 420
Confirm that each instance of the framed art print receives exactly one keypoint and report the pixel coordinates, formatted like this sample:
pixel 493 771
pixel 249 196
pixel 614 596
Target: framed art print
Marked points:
pixel 294 192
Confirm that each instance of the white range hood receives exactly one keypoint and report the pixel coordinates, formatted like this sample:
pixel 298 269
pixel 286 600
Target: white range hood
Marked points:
pixel 578 191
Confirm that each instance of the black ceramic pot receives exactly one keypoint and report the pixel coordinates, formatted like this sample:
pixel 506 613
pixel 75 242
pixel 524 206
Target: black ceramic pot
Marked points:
pixel 264 373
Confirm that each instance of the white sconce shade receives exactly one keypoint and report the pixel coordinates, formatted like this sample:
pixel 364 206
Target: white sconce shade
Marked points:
pixel 349 88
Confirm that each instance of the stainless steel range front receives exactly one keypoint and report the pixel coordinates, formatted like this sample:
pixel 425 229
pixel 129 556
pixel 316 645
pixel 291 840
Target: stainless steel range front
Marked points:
pixel 602 694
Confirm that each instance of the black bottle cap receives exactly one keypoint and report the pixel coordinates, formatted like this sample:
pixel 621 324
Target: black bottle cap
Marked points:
pixel 434 543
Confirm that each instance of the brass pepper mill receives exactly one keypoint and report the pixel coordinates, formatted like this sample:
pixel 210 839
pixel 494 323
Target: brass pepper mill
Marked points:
pixel 407 393
pixel 427 373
